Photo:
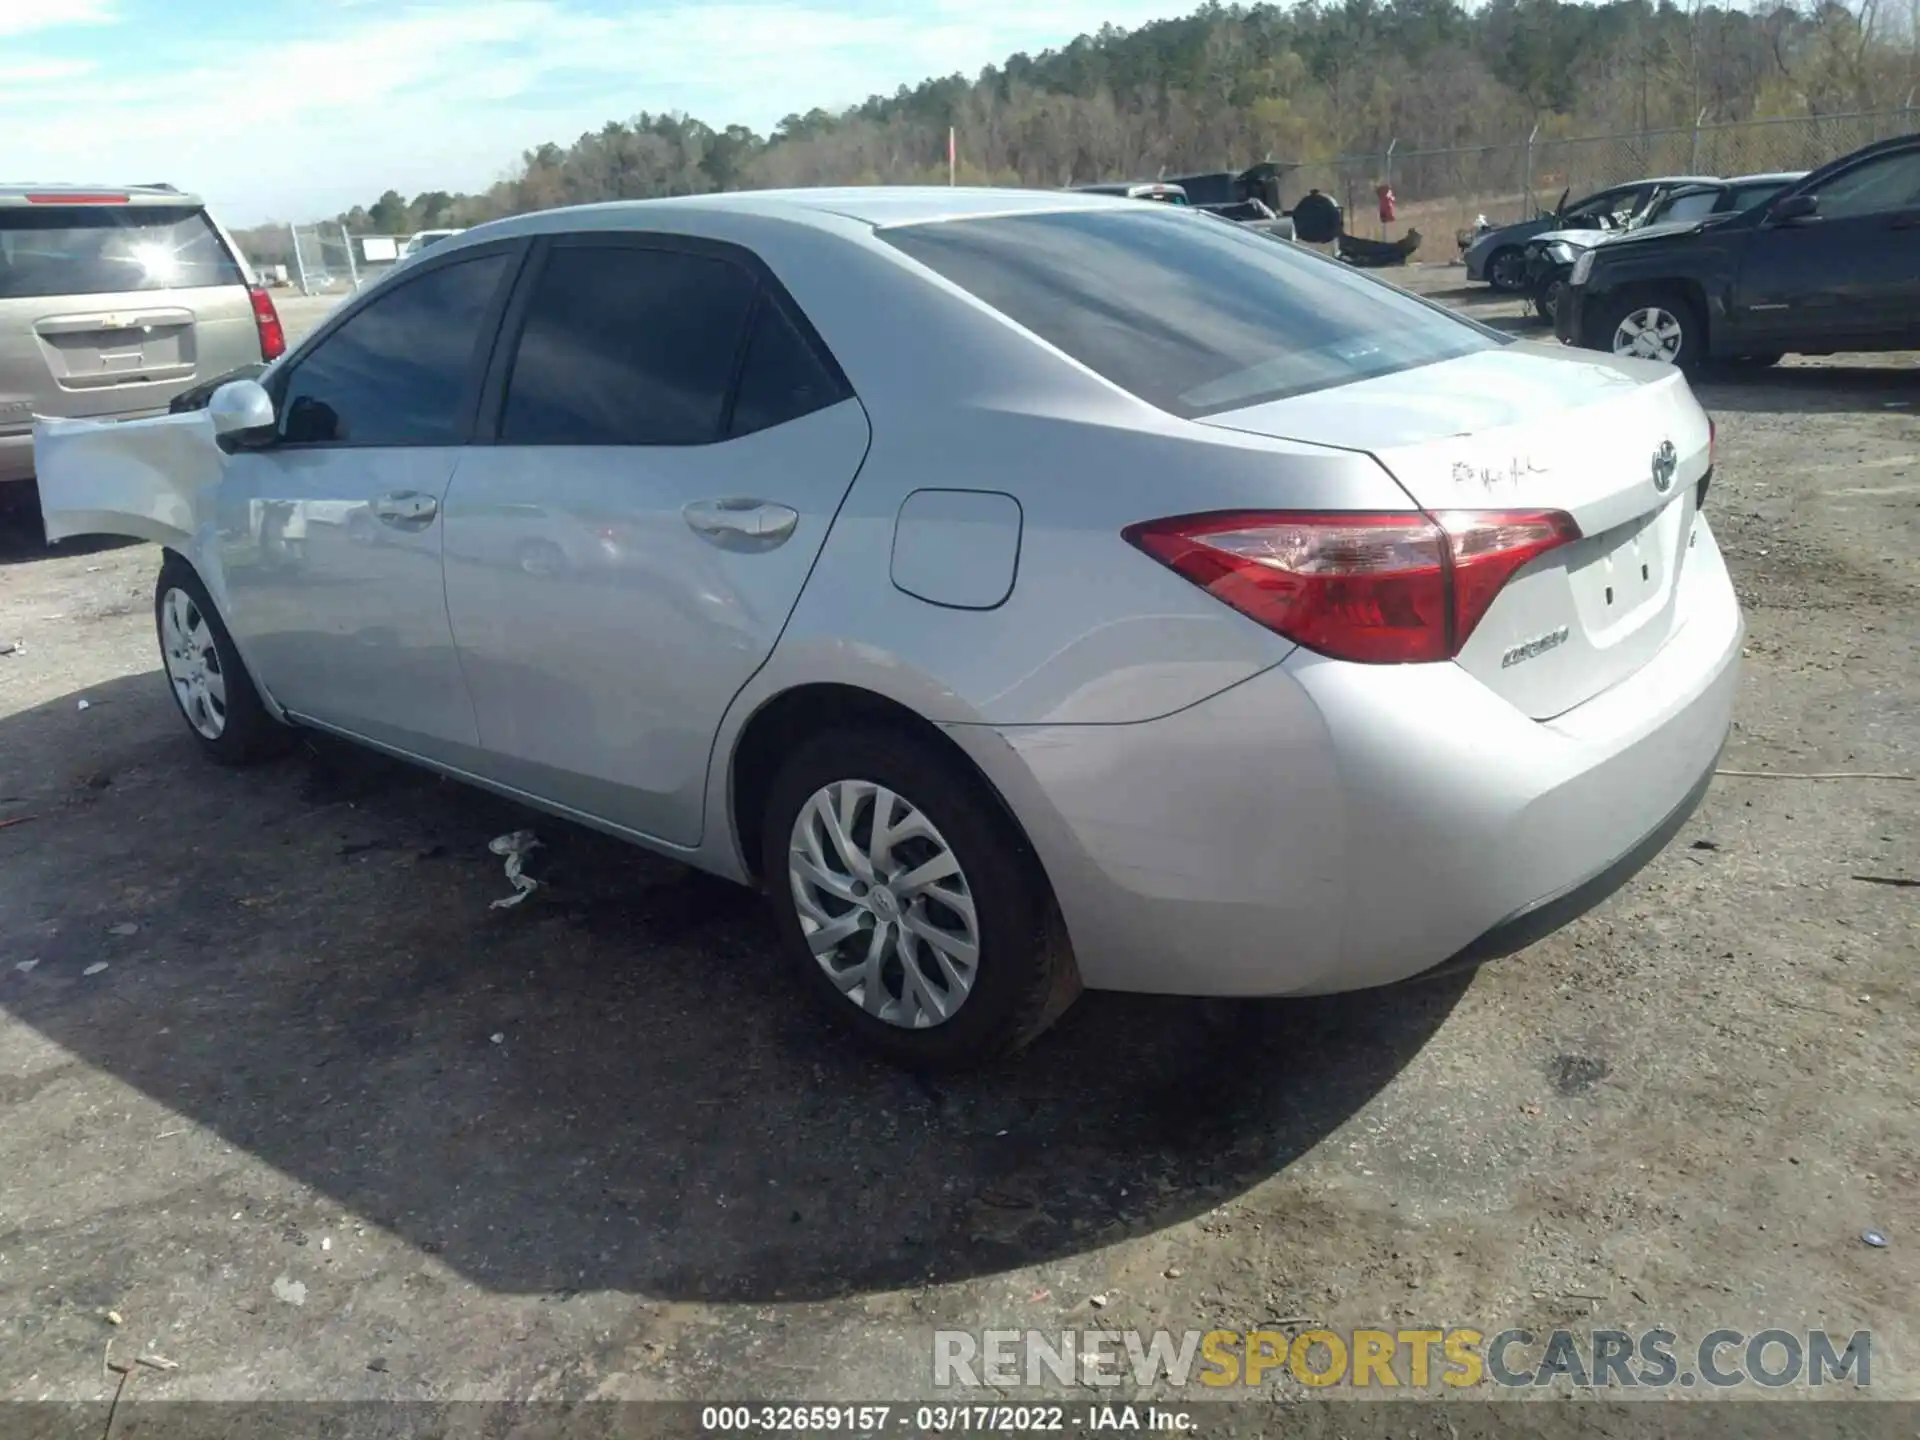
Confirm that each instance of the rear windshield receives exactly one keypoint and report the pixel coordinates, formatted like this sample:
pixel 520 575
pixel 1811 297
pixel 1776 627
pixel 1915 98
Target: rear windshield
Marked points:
pixel 105 249
pixel 1189 314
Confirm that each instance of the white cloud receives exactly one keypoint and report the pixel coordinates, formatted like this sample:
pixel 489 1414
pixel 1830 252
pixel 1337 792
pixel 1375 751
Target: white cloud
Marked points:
pixel 24 17
pixel 424 98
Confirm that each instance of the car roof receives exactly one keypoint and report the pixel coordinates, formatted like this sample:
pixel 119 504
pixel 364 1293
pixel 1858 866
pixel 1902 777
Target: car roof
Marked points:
pixel 24 193
pixel 1785 177
pixel 876 205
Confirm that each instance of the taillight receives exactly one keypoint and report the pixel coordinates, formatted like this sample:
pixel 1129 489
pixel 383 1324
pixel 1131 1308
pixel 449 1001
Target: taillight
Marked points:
pixel 75 198
pixel 273 336
pixel 1381 589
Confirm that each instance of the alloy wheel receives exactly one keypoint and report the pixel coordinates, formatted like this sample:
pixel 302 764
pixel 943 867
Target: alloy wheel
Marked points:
pixel 193 664
pixel 1649 333
pixel 883 904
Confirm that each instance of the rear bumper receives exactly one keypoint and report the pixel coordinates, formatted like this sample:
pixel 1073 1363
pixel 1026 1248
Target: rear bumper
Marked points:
pixel 1325 826
pixel 1540 919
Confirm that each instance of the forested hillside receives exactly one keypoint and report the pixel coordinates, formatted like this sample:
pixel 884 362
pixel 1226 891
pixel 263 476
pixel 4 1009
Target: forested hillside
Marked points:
pixel 1230 84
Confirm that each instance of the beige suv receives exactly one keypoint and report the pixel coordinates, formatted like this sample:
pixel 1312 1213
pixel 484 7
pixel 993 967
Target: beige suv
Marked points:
pixel 112 302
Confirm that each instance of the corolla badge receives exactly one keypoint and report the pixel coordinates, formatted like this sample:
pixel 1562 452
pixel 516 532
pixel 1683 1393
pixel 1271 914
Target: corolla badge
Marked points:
pixel 1665 461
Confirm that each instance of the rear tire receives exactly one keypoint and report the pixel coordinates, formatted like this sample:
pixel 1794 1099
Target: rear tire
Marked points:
pixel 209 683
pixel 997 970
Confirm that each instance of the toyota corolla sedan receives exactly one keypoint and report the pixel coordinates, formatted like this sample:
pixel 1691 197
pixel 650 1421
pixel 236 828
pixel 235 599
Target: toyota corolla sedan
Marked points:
pixel 1024 590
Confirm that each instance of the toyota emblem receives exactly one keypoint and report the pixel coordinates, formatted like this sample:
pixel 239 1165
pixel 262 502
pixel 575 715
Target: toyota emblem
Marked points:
pixel 1665 461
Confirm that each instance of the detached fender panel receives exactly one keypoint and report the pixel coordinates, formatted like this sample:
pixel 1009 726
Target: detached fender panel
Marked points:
pixel 147 479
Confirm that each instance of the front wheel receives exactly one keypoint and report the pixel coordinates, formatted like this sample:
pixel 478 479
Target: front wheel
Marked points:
pixel 910 904
pixel 1653 327
pixel 1546 297
pixel 212 689
pixel 1506 269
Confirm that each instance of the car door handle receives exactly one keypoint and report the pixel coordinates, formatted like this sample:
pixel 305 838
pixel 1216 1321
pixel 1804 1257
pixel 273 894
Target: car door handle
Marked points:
pixel 404 506
pixel 756 524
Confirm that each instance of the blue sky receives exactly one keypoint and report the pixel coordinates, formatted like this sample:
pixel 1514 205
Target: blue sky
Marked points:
pixel 294 109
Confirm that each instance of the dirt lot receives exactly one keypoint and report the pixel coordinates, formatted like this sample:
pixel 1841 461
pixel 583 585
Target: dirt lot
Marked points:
pixel 282 1093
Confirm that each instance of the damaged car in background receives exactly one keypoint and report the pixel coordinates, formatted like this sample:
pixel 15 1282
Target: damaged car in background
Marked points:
pixel 1024 591
pixel 1831 263
pixel 1550 258
pixel 1497 254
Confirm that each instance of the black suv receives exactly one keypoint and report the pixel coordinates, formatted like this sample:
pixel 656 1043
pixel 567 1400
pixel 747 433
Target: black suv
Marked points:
pixel 1833 263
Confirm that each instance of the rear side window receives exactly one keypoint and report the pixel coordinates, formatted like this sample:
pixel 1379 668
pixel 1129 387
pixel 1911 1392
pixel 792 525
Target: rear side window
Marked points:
pixel 783 376
pixel 627 346
pixel 107 249
pixel 1745 197
pixel 399 371
pixel 1191 316
pixel 1688 207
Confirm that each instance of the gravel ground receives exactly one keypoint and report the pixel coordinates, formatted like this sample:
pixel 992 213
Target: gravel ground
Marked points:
pixel 279 1091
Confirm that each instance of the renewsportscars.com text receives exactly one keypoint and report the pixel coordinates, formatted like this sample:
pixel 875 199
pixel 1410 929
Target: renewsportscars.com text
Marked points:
pixel 1456 1358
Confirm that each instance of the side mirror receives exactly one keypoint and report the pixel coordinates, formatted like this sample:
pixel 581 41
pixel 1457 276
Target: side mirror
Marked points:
pixel 242 415
pixel 1794 207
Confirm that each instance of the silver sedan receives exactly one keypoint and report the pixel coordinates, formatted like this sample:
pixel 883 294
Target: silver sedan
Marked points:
pixel 1025 591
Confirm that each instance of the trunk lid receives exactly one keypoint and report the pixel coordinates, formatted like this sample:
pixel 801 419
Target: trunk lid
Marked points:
pixel 115 305
pixel 73 357
pixel 1525 427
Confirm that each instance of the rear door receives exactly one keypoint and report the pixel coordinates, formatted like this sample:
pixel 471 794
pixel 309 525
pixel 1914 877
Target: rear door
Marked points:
pixel 111 309
pixel 1847 274
pixel 673 442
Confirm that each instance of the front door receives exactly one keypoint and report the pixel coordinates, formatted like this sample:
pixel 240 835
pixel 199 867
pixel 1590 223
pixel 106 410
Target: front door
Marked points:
pixel 1848 274
pixel 673 442
pixel 331 538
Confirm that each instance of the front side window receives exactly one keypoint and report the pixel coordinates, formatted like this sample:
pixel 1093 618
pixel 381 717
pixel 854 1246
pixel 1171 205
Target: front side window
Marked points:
pixel 398 372
pixel 1607 204
pixel 1190 316
pixel 1887 183
pixel 627 346
pixel 109 249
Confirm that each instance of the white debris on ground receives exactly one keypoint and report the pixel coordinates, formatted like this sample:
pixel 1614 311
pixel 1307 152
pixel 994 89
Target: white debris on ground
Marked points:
pixel 516 846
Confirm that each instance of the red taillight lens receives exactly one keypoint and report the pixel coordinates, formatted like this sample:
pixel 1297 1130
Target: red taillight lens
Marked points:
pixel 273 336
pixel 1377 588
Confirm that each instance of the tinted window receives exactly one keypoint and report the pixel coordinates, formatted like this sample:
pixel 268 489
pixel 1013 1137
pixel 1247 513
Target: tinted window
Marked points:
pixel 1690 206
pixel 1188 314
pixel 102 249
pixel 1745 197
pixel 1891 182
pixel 627 347
pixel 396 373
pixel 783 378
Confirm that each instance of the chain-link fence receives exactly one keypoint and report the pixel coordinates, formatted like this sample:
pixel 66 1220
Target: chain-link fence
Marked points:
pixel 1442 191
pixel 326 260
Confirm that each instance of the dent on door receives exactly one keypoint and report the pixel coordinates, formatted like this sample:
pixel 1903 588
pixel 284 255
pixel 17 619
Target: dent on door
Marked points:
pixel 148 479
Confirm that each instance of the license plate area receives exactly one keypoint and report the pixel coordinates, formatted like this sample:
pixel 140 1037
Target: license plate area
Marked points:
pixel 1624 576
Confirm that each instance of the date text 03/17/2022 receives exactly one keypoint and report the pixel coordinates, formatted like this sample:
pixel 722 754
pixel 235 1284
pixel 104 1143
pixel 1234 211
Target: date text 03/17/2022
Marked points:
pixel 943 1419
